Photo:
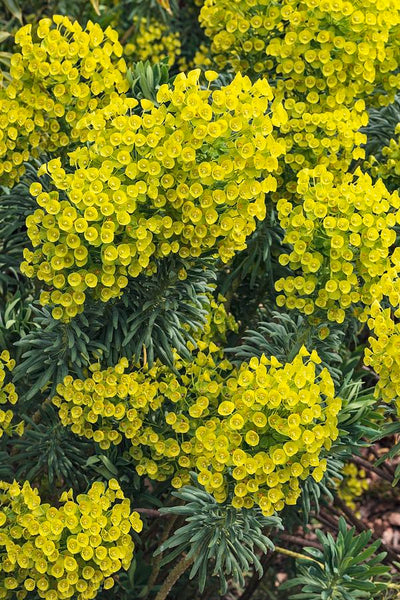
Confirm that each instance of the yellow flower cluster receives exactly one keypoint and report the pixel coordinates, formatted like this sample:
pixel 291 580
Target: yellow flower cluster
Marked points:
pixel 187 177
pixel 341 235
pixel 327 137
pixel 383 355
pixel 109 404
pixel 65 552
pixel 252 433
pixel 325 51
pixel 326 58
pixel 153 41
pixel 8 395
pixel 61 73
pixel 353 484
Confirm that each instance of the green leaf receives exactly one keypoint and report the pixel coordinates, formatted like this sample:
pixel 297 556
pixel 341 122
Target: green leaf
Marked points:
pixel 14 8
pixel 219 538
pixel 350 571
pixel 4 35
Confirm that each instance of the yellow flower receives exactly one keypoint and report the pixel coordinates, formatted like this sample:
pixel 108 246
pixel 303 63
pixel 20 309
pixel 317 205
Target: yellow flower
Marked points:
pixel 224 432
pixel 99 221
pixel 56 562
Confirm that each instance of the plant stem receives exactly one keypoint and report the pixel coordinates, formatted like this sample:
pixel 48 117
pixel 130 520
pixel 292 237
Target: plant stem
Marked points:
pixel 384 465
pixel 366 465
pixel 359 525
pixel 128 33
pixel 36 415
pixel 326 519
pixel 150 512
pixel 173 577
pixel 297 555
pixel 157 560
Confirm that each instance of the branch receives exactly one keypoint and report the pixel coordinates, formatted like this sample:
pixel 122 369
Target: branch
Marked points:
pixel 385 466
pixel 128 33
pixel 173 577
pixel 297 555
pixel 157 560
pixel 150 512
pixel 358 524
pixel 366 465
pixel 325 519
pixel 266 559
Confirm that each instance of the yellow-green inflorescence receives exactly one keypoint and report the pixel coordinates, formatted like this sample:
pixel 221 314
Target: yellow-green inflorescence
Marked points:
pixel 252 433
pixel 327 60
pixel 154 41
pixel 69 551
pixel 330 52
pixel 188 176
pixel 383 355
pixel 353 485
pixel 340 235
pixel 61 72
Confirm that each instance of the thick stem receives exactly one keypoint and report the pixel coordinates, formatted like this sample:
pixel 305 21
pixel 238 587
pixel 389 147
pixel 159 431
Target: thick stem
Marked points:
pixel 95 5
pixel 150 512
pixel 173 577
pixel 157 561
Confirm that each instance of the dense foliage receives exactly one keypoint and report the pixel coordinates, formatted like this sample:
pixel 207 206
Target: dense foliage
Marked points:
pixel 199 298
